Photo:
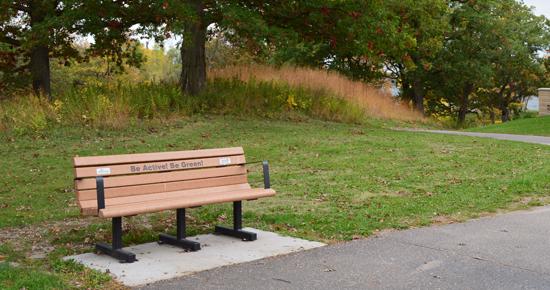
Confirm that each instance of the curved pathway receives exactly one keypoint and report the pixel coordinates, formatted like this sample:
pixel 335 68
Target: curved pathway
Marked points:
pixel 521 138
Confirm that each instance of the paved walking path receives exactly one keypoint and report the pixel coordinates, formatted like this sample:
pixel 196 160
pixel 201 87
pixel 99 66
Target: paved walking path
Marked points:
pixel 510 251
pixel 511 137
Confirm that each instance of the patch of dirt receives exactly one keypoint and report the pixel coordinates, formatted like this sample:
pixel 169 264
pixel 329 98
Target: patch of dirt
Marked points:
pixel 534 200
pixel 380 233
pixel 35 241
pixel 35 236
pixel 40 251
pixel 442 220
pixel 523 203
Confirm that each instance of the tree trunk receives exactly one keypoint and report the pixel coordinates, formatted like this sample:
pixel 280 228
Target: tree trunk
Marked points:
pixel 503 103
pixel 40 58
pixel 40 70
pixel 193 71
pixel 406 90
pixel 504 109
pixel 505 116
pixel 463 110
pixel 492 114
pixel 418 91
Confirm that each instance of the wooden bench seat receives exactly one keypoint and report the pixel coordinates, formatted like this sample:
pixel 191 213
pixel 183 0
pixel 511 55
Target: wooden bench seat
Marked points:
pixel 124 185
pixel 171 200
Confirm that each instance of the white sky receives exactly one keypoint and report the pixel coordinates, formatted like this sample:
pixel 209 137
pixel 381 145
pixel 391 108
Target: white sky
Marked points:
pixel 542 7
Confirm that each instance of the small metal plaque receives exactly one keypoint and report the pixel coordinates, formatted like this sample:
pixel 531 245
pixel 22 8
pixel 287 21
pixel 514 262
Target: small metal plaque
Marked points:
pixel 103 171
pixel 225 161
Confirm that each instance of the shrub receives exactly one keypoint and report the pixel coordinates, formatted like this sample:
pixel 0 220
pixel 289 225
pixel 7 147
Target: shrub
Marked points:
pixel 26 114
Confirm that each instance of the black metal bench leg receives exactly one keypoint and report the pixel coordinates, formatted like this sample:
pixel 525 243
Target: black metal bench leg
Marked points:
pixel 236 231
pixel 179 240
pixel 115 249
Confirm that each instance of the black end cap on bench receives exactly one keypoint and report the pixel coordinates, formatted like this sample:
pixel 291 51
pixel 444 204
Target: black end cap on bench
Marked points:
pixel 267 180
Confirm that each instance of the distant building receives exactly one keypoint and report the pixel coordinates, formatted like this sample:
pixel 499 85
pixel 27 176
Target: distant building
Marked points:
pixel 544 101
pixel 533 104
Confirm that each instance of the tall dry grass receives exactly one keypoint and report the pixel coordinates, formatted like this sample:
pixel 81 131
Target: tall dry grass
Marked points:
pixel 286 93
pixel 377 102
pixel 117 105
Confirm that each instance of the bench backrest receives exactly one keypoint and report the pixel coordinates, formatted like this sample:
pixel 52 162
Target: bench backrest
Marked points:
pixel 146 173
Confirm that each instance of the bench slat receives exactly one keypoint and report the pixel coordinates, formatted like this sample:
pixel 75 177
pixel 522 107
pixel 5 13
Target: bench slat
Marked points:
pixel 126 180
pixel 190 200
pixel 153 157
pixel 91 194
pixel 170 165
pixel 89 207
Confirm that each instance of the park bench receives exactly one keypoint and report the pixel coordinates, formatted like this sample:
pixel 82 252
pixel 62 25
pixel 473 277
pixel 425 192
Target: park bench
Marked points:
pixel 117 186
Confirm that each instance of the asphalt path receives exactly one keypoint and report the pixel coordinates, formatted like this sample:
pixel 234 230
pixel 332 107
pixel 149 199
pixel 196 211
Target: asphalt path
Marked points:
pixel 511 137
pixel 508 251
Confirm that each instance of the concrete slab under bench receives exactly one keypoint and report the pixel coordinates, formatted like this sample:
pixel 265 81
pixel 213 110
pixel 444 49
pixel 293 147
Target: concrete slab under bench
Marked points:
pixel 160 262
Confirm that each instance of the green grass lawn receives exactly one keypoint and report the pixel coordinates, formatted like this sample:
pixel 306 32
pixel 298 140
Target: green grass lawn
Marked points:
pixel 530 126
pixel 335 182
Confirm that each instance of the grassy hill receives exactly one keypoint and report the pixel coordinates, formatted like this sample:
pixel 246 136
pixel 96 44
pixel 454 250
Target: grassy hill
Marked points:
pixel 530 126
pixel 335 181
pixel 287 93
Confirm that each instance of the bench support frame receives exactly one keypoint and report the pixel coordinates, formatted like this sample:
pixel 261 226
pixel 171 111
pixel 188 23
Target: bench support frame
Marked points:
pixel 115 249
pixel 179 240
pixel 236 231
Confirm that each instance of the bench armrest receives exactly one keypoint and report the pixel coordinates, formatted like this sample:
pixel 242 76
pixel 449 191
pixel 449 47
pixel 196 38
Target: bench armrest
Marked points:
pixel 100 193
pixel 267 182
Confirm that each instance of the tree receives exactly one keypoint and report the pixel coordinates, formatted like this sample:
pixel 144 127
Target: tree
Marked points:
pixel 352 37
pixel 34 31
pixel 334 34
pixel 427 23
pixel 517 62
pixel 491 57
pixel 193 56
pixel 189 19
pixel 464 64
pixel 31 32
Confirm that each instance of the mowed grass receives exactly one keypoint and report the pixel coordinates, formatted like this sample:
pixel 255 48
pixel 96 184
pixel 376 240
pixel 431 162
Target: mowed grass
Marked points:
pixel 335 182
pixel 325 173
pixel 539 126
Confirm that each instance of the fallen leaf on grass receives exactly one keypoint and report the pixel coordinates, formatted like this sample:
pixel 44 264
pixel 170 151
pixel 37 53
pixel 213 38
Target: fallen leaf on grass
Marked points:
pixel 222 218
pixel 23 208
